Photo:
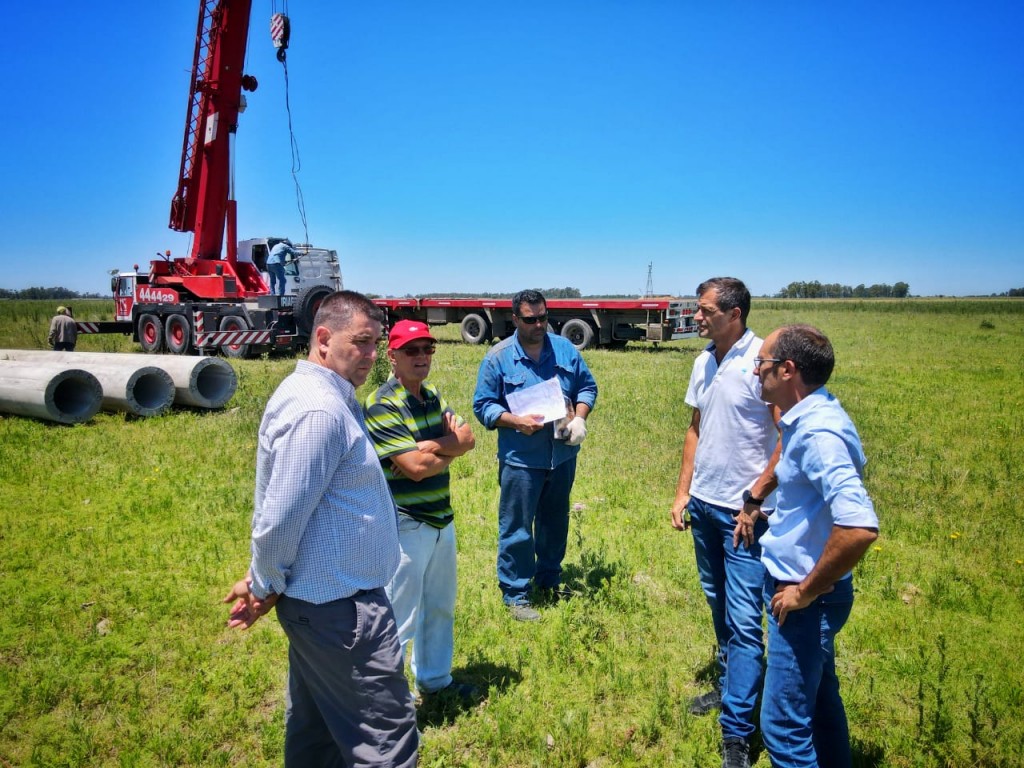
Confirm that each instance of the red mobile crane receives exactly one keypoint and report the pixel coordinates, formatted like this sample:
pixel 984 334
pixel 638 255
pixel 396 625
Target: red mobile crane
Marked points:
pixel 204 301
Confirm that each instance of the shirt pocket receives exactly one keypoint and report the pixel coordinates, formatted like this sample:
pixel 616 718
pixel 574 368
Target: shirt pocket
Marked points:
pixel 566 379
pixel 513 382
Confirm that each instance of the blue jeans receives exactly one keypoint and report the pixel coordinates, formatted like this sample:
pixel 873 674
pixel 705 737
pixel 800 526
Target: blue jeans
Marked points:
pixel 277 280
pixel 803 721
pixel 533 525
pixel 732 579
pixel 423 595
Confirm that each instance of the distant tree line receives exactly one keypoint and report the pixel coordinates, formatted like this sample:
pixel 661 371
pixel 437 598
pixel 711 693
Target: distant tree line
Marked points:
pixel 1013 292
pixel 60 294
pixel 549 293
pixel 816 290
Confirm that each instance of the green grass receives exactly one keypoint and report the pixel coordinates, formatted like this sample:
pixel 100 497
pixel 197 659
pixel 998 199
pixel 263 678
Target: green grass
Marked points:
pixel 119 537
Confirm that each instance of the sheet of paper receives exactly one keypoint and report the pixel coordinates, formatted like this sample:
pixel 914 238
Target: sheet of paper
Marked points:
pixel 544 399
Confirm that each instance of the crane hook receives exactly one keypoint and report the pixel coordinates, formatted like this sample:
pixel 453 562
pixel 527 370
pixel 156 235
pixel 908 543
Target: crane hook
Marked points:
pixel 280 33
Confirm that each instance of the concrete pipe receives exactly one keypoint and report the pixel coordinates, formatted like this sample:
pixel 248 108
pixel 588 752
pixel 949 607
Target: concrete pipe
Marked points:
pixel 52 392
pixel 128 386
pixel 200 382
pixel 143 391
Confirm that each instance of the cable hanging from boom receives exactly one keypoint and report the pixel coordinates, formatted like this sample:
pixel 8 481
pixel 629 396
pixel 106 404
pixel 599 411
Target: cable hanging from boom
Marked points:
pixel 280 34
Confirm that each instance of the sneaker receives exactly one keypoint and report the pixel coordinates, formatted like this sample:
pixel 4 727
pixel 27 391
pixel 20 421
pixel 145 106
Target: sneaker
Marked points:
pixel 735 753
pixel 706 702
pixel 523 612
pixel 454 690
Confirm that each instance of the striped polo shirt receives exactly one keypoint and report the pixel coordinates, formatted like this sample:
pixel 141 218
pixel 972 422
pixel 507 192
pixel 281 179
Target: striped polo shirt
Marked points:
pixel 396 421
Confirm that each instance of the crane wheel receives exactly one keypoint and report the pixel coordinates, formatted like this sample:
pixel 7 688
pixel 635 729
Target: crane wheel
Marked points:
pixel 234 323
pixel 178 335
pixel 151 334
pixel 307 302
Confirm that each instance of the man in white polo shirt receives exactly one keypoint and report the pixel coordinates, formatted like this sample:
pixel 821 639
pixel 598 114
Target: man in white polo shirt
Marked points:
pixel 725 479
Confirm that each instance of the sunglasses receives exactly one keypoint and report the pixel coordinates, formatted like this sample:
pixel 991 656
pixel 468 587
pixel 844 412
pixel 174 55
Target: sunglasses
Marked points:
pixel 417 351
pixel 533 320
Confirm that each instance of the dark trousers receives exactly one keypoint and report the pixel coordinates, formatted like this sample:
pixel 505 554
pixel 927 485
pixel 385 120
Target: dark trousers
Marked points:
pixel 348 700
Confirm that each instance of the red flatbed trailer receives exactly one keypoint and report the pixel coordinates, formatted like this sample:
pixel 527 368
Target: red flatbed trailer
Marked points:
pixel 585 322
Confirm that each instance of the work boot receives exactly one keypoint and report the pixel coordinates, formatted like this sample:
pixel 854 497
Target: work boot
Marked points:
pixel 706 702
pixel 735 753
pixel 464 692
pixel 523 612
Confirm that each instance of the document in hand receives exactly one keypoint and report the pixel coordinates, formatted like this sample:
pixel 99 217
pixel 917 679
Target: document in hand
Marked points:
pixel 544 399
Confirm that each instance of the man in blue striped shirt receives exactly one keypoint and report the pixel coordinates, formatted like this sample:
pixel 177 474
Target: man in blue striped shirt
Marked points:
pixel 417 436
pixel 324 546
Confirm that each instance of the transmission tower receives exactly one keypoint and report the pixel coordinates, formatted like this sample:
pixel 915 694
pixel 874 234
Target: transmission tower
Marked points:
pixel 650 280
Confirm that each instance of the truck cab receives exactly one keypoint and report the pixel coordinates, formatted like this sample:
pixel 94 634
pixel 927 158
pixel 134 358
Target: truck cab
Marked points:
pixel 311 266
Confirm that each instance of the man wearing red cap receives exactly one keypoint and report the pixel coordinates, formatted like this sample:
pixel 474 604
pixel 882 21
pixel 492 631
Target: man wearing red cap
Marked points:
pixel 417 436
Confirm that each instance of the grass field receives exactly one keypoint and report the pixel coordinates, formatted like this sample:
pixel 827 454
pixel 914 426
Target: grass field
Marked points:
pixel 119 537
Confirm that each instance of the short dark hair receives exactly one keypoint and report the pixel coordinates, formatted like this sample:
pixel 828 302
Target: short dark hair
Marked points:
pixel 529 296
pixel 809 349
pixel 341 307
pixel 732 293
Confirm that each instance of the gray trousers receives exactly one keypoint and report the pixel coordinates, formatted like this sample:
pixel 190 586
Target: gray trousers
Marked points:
pixel 348 700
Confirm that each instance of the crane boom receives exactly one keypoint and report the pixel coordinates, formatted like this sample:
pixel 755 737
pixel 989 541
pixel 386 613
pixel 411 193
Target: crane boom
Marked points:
pixel 202 203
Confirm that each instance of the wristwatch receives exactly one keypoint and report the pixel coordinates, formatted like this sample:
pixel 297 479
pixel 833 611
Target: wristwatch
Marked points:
pixel 749 498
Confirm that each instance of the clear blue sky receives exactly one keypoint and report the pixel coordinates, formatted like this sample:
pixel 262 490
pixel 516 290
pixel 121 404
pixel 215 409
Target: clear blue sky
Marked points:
pixel 490 146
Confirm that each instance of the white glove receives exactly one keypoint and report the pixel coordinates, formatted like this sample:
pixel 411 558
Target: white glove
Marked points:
pixel 576 430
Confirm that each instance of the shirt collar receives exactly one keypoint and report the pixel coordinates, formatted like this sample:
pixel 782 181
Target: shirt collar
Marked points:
pixel 521 353
pixel 426 389
pixel 742 345
pixel 790 417
pixel 345 387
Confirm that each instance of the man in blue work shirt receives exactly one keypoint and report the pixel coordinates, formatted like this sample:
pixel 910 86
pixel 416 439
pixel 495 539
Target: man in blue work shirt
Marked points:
pixel 279 254
pixel 823 524
pixel 536 466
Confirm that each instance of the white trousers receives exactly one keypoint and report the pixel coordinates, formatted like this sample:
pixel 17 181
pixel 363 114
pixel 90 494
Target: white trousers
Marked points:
pixel 423 595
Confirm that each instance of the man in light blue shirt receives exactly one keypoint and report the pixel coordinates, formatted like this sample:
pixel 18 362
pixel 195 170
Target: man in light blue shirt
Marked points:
pixel 536 466
pixel 324 546
pixel 823 524
pixel 279 254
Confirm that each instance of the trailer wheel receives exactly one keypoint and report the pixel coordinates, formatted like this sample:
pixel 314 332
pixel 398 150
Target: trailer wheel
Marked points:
pixel 475 329
pixel 178 335
pixel 234 323
pixel 151 334
pixel 579 333
pixel 307 302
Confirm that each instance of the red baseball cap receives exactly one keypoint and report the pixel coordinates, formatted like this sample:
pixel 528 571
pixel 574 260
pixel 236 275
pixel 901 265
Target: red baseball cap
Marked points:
pixel 406 331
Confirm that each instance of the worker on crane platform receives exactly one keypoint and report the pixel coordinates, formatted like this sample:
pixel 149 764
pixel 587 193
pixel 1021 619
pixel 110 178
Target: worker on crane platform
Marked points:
pixel 279 254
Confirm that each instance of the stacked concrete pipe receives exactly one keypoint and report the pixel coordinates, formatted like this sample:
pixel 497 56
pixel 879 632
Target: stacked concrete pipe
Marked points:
pixel 200 382
pixel 50 391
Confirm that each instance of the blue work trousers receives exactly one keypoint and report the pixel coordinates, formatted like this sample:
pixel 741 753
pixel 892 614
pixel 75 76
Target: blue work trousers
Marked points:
pixel 533 525
pixel 803 721
pixel 732 579
pixel 277 278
